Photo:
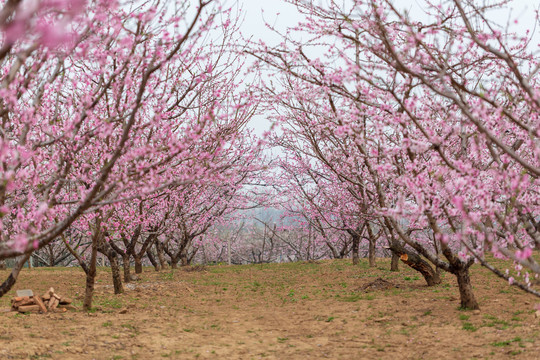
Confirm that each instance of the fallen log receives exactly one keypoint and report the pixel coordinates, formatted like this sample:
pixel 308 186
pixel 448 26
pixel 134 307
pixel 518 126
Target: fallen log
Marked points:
pixel 53 303
pixel 28 308
pixel 40 303
pixel 65 301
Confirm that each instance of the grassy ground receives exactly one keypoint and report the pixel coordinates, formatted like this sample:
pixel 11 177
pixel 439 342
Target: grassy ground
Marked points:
pixel 274 311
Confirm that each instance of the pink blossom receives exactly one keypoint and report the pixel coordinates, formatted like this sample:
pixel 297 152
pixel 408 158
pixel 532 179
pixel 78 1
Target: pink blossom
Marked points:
pixel 524 254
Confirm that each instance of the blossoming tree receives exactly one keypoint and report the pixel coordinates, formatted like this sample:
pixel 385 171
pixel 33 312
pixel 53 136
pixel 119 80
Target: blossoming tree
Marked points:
pixel 437 124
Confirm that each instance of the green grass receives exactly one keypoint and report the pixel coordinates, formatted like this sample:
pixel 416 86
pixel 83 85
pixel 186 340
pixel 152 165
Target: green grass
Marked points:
pixel 411 278
pixel 469 327
pixel 109 302
pixel 507 342
pixel 167 276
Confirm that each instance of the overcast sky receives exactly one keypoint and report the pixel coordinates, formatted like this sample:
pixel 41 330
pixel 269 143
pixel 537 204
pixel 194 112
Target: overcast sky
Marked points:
pixel 282 15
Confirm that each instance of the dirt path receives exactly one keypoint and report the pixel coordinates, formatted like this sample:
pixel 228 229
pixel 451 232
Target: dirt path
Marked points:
pixel 287 311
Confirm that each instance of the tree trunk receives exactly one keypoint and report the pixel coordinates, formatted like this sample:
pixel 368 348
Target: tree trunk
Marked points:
pixel 355 248
pixel 138 265
pixel 437 252
pixel 174 263
pixel 372 246
pixel 152 259
pixel 417 263
pixel 333 250
pixel 160 256
pixel 190 257
pixel 344 250
pixel 90 282
pixel 468 301
pixel 117 278
pixel 127 271
pixel 90 279
pixel 394 265
pixel 371 253
pixel 3 265
pixel 422 266
pixel 106 250
pixel 12 278
pixel 184 261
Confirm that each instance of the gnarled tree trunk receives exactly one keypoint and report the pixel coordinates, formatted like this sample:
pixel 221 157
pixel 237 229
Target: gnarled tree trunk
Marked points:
pixel 417 263
pixel 90 278
pixel 152 259
pixel 107 250
pixel 184 260
pixel 468 301
pixel 139 255
pixel 160 255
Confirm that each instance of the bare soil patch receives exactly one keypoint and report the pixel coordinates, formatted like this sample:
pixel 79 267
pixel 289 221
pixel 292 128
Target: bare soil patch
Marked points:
pixel 274 311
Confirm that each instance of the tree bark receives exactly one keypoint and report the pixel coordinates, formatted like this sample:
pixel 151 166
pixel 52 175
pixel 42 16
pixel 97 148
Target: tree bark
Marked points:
pixel 12 278
pixel 3 265
pixel 344 250
pixel 138 256
pixel 422 266
pixel 190 257
pixel 184 258
pixel 117 278
pixel 138 265
pixel 371 253
pixel 355 248
pixel 394 264
pixel 417 263
pixel 90 278
pixel 160 256
pixel 126 265
pixel 333 250
pixel 152 259
pixel 372 244
pixel 89 293
pixel 468 301
pixel 108 251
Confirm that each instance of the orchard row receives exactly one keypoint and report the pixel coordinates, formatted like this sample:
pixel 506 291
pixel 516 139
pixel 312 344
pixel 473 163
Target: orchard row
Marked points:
pixel 124 132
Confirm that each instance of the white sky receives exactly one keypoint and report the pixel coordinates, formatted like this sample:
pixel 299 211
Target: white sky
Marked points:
pixel 277 11
pixel 282 15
